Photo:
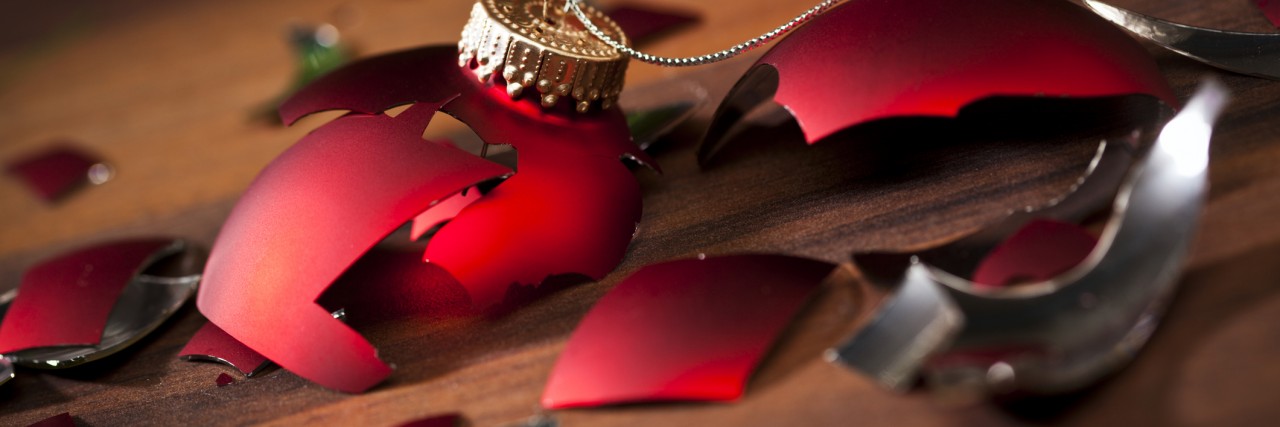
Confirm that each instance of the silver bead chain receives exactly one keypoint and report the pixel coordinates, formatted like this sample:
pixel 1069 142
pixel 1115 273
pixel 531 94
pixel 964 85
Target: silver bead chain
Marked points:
pixel 738 49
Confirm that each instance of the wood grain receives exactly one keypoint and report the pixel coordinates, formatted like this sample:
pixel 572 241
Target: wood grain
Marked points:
pixel 164 92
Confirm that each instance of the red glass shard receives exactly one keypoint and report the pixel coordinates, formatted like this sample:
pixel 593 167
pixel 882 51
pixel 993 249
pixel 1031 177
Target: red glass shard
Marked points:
pixel 642 22
pixel 873 59
pixel 682 330
pixel 443 211
pixel 54 173
pixel 213 344
pixel 61 420
pixel 307 217
pixel 1270 9
pixel 224 380
pixel 373 85
pixel 446 420
pixel 65 301
pixel 1039 251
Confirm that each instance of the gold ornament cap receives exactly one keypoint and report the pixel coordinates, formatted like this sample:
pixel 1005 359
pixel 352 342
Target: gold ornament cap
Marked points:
pixel 531 43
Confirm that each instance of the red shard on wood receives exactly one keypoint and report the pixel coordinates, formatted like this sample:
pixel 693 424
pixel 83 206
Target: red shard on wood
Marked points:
pixel 446 420
pixel 682 330
pixel 55 172
pixel 873 59
pixel 213 344
pixel 61 420
pixel 65 301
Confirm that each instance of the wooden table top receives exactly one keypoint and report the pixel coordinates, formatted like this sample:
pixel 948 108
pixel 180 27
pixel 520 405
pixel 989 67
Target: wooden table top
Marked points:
pixel 164 92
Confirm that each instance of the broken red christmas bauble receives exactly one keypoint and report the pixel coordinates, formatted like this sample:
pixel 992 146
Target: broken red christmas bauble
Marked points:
pixel 571 207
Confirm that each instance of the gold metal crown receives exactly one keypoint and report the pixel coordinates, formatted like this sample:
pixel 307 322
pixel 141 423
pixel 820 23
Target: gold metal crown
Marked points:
pixel 533 44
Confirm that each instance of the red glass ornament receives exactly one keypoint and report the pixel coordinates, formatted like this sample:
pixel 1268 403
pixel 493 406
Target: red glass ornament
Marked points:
pixel 571 207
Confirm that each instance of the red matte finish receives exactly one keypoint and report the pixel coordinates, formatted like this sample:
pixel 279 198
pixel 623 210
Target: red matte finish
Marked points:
pixel 872 59
pixel 307 217
pixel 65 301
pixel 1269 8
pixel 443 211
pixel 52 174
pixel 1040 250
pixel 212 343
pixel 224 380
pixel 682 330
pixel 642 22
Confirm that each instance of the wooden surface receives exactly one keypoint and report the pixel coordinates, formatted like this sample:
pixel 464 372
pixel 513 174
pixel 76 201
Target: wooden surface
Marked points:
pixel 164 91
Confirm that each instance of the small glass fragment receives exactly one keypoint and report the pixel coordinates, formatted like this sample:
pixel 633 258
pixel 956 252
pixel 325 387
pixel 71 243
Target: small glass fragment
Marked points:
pixel 224 380
pixel 446 420
pixel 211 343
pixel 61 420
pixel 58 171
